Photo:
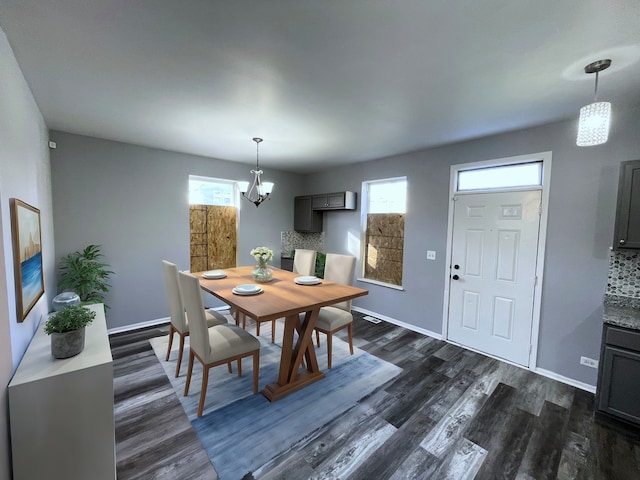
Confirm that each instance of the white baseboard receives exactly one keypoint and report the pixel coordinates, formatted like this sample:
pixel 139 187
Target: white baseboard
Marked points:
pixel 137 326
pixel 567 380
pixel 408 326
pixel 150 323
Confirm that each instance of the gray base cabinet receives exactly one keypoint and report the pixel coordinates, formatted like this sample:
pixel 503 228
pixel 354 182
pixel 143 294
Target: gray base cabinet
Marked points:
pixel 618 394
pixel 286 263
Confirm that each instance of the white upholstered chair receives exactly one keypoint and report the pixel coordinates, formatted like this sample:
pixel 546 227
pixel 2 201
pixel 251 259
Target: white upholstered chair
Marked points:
pixel 304 261
pixel 179 319
pixel 338 269
pixel 216 345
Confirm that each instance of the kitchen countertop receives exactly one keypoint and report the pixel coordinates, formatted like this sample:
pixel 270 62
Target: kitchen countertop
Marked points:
pixel 622 311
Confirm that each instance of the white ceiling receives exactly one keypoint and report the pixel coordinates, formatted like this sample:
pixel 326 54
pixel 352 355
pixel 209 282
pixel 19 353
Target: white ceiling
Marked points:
pixel 324 82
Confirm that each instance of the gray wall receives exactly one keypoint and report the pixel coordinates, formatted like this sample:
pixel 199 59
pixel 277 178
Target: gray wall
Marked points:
pixel 580 231
pixel 134 202
pixel 24 174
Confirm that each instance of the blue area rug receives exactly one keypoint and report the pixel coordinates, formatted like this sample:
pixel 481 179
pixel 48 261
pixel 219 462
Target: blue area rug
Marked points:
pixel 241 431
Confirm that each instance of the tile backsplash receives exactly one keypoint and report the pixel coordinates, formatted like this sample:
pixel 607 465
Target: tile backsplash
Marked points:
pixel 291 240
pixel 624 274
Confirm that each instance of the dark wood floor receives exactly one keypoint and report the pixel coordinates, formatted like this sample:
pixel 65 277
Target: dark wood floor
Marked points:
pixel 451 414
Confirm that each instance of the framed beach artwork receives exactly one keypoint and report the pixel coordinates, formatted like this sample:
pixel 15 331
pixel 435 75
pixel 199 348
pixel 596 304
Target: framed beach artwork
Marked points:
pixel 27 256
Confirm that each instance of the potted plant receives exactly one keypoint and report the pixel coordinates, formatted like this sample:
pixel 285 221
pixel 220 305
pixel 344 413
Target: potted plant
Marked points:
pixel 66 328
pixel 86 274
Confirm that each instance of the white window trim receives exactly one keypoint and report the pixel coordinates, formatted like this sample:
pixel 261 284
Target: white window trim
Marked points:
pixel 546 158
pixel 379 283
pixel 234 183
pixel 236 199
pixel 364 202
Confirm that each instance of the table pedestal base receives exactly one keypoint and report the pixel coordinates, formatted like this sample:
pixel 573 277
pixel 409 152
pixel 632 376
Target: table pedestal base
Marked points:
pixel 275 391
pixel 298 362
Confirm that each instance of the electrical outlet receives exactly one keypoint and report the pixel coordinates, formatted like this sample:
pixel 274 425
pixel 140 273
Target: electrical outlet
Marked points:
pixel 431 254
pixel 589 362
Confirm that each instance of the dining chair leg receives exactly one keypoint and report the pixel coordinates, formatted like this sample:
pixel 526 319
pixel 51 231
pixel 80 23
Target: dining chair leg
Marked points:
pixel 273 331
pixel 180 351
pixel 350 333
pixel 229 366
pixel 318 338
pixel 329 339
pixel 203 392
pixel 189 370
pixel 171 332
pixel 257 328
pixel 256 370
pixel 239 367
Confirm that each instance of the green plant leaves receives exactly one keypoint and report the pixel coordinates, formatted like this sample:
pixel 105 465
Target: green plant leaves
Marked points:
pixel 320 261
pixel 69 318
pixel 86 274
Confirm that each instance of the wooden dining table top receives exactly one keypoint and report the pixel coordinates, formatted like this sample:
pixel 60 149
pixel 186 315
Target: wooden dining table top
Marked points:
pixel 280 297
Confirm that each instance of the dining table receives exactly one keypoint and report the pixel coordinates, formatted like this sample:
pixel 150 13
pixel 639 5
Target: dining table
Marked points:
pixel 282 297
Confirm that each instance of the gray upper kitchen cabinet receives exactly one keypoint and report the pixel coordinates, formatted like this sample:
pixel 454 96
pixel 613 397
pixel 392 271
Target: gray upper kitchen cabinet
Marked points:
pixel 305 218
pixel 335 201
pixel 627 231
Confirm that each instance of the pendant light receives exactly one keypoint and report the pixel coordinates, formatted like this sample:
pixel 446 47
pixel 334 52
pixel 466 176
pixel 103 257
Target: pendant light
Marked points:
pixel 595 118
pixel 259 190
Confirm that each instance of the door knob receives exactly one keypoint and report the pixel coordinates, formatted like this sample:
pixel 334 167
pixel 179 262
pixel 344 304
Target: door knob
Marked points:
pixel 455 277
pixel 456 267
pixel 622 242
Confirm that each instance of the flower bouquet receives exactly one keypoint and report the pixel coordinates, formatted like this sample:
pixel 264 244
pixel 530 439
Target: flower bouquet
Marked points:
pixel 262 272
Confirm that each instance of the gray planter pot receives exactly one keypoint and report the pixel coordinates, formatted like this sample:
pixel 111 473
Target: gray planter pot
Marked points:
pixel 67 344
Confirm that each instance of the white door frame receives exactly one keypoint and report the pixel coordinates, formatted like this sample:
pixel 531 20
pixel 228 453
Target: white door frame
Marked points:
pixel 545 157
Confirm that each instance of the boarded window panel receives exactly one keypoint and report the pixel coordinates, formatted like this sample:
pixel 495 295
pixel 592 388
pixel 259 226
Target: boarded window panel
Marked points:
pixel 212 237
pixel 198 245
pixel 385 247
pixel 221 237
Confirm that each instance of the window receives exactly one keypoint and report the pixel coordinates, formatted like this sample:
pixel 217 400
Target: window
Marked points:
pixel 211 191
pixel 501 176
pixel 385 208
pixel 213 220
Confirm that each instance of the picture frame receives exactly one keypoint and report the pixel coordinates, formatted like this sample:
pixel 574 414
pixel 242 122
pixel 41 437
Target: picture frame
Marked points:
pixel 27 256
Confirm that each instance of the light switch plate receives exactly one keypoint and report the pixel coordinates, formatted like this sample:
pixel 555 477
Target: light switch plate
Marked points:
pixel 431 254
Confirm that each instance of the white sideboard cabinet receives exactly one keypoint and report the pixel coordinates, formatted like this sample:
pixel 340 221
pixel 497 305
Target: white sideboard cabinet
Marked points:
pixel 61 411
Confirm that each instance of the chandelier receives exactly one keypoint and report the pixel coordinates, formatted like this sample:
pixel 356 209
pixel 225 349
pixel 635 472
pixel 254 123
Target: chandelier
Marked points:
pixel 259 190
pixel 593 126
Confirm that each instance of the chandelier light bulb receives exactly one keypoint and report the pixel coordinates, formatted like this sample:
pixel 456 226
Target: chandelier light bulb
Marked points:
pixel 595 118
pixel 593 125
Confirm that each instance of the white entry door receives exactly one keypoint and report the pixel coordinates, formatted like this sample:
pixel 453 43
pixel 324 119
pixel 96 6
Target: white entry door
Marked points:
pixel 493 272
